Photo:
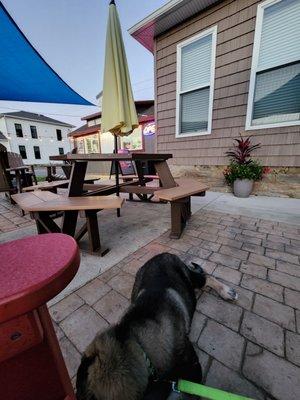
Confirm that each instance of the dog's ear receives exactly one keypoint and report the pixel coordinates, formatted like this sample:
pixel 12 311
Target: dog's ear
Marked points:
pixel 82 379
pixel 197 268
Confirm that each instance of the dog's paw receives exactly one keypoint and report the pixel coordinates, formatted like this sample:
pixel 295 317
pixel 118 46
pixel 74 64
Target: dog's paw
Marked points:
pixel 229 293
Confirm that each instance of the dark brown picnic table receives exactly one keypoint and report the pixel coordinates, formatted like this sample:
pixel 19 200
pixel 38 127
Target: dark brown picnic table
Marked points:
pixel 177 193
pixel 138 186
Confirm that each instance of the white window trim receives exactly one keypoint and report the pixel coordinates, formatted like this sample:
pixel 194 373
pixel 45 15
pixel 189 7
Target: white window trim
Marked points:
pixel 207 32
pixel 255 55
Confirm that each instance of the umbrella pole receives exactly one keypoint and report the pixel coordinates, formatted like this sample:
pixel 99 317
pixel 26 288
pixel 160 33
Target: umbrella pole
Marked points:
pixel 117 174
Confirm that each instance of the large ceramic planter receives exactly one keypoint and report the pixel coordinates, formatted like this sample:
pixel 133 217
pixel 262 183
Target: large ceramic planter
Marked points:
pixel 242 187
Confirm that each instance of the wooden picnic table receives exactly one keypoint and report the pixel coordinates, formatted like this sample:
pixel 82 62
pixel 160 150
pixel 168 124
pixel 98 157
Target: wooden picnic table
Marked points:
pixel 21 174
pixel 80 161
pixel 177 193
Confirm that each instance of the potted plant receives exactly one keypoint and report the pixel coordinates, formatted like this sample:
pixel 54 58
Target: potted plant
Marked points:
pixel 243 171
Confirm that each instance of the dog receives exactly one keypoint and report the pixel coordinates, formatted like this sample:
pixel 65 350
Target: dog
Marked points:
pixel 139 357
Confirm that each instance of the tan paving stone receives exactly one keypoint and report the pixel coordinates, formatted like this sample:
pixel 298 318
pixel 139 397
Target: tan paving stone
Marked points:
pixel 82 326
pixel 292 298
pixel 71 356
pixel 262 260
pixel 285 280
pixel 223 259
pixel 291 269
pixel 230 242
pixel 112 306
pixel 279 255
pixel 263 287
pixel 221 377
pixel 65 307
pixel 273 245
pixel 132 267
pixel 249 239
pixel 93 291
pixel 231 251
pixel 263 332
pixel 199 252
pixel 223 312
pixel 275 312
pixel 293 250
pixel 204 360
pixel 293 347
pixel 254 270
pixel 298 320
pixel 110 273
pixel 228 274
pixel 197 326
pixel 123 284
pixel 222 343
pixel 253 248
pixel 277 376
pixel 278 239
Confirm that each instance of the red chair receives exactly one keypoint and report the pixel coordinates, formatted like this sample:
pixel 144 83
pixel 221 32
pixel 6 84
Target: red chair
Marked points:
pixel 33 271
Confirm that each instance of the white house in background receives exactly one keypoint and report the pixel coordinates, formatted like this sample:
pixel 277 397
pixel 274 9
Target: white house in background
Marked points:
pixel 34 136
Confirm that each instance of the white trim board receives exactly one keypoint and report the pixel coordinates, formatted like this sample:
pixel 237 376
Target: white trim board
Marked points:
pixel 254 67
pixel 211 31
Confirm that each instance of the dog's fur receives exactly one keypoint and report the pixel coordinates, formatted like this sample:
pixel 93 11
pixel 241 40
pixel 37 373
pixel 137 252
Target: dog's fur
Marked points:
pixel 137 358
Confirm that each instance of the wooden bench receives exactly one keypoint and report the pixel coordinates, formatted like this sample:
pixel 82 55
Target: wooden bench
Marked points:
pixel 180 199
pixel 50 186
pixel 43 206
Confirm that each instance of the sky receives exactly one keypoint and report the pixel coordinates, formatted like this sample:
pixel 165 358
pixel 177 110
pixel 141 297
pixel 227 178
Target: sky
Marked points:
pixel 70 36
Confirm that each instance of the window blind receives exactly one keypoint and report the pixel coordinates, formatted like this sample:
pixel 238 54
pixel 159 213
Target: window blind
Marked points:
pixel 277 95
pixel 196 64
pixel 194 111
pixel 280 37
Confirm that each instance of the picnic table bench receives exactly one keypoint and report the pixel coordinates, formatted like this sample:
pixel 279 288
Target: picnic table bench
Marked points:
pixel 45 206
pixel 180 199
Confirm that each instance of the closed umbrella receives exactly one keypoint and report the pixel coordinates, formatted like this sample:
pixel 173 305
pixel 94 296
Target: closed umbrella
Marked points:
pixel 118 108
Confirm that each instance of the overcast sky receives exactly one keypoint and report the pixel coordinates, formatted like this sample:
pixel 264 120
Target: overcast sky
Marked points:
pixel 70 35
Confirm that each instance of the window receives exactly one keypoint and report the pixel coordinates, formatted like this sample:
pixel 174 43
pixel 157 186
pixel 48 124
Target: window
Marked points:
pixel 92 143
pixel 37 153
pixel 274 93
pixel 61 150
pixel 19 131
pixel 33 131
pixel 195 81
pixel 22 150
pixel 134 141
pixel 58 135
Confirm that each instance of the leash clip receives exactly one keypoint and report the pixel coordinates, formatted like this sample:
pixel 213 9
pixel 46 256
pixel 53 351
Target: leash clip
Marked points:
pixel 174 387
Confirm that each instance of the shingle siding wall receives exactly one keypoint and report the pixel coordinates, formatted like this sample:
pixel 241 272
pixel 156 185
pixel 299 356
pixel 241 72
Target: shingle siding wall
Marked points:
pixel 236 25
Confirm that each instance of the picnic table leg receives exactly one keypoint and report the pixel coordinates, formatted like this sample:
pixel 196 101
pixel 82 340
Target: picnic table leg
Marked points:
pixel 45 223
pixel 75 189
pixel 180 213
pixel 140 174
pixel 93 233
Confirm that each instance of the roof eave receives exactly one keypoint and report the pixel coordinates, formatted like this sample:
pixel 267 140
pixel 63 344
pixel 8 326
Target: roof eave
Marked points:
pixel 37 120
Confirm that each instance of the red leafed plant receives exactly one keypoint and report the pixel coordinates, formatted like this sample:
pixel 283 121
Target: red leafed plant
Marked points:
pixel 241 152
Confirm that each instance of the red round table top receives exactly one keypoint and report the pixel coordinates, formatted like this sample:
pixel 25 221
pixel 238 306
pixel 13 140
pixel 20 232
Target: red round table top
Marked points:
pixel 33 270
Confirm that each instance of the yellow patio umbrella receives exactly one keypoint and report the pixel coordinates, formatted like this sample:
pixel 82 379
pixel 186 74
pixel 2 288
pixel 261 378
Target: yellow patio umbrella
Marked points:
pixel 118 108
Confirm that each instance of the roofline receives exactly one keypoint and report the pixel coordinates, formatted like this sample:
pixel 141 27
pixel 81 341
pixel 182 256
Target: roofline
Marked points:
pixel 99 113
pixel 36 120
pixel 155 14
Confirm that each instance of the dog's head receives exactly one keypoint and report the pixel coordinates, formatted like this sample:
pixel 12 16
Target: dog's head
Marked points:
pixel 111 370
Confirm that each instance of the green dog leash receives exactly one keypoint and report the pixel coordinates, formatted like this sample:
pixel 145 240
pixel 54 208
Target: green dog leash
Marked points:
pixel 206 392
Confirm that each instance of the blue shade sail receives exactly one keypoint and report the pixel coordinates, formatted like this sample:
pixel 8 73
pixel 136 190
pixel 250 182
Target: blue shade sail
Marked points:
pixel 24 74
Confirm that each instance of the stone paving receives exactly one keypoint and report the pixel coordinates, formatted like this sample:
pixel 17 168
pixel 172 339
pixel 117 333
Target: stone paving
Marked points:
pixel 251 347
